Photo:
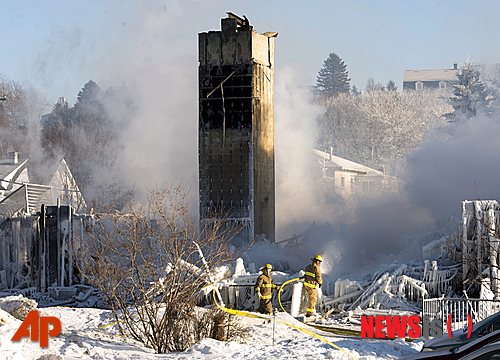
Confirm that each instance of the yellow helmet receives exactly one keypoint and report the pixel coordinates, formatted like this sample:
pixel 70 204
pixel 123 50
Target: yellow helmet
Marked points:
pixel 317 257
pixel 267 266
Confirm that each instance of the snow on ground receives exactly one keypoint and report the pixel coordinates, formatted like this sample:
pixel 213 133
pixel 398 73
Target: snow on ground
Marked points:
pixel 87 334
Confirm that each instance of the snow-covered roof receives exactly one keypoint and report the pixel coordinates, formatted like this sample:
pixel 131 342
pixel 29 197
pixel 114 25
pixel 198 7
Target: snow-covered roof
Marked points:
pixel 430 75
pixel 9 173
pixel 347 165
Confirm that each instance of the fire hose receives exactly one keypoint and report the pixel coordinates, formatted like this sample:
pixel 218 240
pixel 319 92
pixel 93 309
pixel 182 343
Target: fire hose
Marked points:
pixel 264 317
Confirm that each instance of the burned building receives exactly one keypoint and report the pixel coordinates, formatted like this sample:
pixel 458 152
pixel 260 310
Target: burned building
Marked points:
pixel 481 247
pixel 236 127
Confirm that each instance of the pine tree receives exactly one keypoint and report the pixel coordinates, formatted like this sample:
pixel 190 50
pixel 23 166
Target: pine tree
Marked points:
pixel 391 86
pixel 355 91
pixel 333 77
pixel 470 95
pixel 54 133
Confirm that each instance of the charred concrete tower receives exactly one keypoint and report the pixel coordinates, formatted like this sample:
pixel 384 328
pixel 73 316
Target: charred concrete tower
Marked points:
pixel 236 127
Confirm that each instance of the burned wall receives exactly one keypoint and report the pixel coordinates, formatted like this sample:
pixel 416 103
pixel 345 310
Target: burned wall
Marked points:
pixel 42 251
pixel 236 128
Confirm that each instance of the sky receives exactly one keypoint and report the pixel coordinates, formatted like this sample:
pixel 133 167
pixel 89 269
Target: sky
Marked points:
pixel 57 46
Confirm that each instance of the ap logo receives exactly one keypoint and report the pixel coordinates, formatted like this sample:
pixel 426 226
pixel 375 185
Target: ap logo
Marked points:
pixel 37 328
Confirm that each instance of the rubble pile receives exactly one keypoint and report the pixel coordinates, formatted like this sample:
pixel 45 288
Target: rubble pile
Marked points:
pixel 401 287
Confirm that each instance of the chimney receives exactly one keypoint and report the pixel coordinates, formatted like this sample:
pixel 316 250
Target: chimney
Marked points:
pixel 14 157
pixel 455 66
pixel 62 101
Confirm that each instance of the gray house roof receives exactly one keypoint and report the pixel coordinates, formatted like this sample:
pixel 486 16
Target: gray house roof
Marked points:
pixel 430 75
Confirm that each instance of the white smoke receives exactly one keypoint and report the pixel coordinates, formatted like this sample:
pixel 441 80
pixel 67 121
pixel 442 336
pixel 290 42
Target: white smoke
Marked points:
pixel 295 134
pixel 463 166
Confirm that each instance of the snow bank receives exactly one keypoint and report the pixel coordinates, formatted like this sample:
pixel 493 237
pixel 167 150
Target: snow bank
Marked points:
pixel 8 319
pixel 90 334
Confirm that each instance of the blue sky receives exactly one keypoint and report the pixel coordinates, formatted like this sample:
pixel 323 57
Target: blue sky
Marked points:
pixel 57 46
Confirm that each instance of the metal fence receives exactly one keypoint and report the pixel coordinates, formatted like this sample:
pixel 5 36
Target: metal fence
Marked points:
pixel 459 308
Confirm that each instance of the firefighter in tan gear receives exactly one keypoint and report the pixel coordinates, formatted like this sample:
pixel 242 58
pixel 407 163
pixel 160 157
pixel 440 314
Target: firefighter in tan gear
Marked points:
pixel 263 289
pixel 312 280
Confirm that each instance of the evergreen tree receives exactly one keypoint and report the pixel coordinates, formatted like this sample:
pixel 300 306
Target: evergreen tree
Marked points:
pixel 391 86
pixel 54 132
pixel 333 77
pixel 495 92
pixel 89 109
pixel 82 134
pixel 355 91
pixel 470 95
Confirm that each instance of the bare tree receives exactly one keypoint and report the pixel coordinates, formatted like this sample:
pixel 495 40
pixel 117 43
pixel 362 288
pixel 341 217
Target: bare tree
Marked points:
pixel 372 85
pixel 378 128
pixel 151 264
pixel 20 109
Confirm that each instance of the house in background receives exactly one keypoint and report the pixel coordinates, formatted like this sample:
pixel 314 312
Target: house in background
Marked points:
pixel 19 195
pixel 437 79
pixel 350 178
pixel 13 174
pixel 65 188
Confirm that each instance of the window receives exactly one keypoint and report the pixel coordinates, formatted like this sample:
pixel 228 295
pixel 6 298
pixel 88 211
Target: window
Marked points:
pixel 365 186
pixel 419 85
pixel 342 181
pixel 442 84
pixel 372 186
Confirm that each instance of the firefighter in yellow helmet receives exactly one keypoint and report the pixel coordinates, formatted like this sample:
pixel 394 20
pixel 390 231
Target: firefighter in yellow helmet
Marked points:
pixel 312 280
pixel 263 289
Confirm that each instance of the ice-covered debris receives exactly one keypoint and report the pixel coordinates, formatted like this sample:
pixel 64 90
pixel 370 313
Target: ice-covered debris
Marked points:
pixel 435 249
pixel 412 289
pixel 187 266
pixel 486 292
pixel 239 268
pixel 480 244
pixel 345 287
pixel 219 273
pixel 50 357
pixel 439 281
pixel 395 287
pixel 388 301
pixel 17 305
pixel 380 283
